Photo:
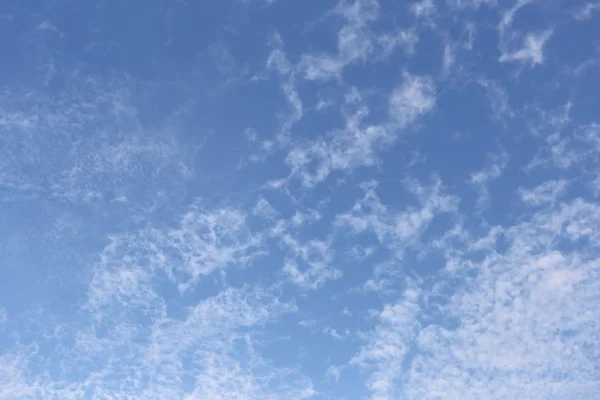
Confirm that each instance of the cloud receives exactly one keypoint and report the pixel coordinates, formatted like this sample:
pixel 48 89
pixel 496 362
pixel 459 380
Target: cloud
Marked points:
pixel 423 8
pixel 471 4
pixel 48 26
pixel 356 42
pixel 547 192
pixel 413 98
pixel 205 242
pixel 523 319
pixel 264 2
pixel 358 144
pixel 388 345
pixel 519 327
pixel 12 380
pixel 532 51
pixel 213 346
pixel 264 209
pixel 334 372
pixel 333 333
pixel 565 150
pixel 45 153
pixel 397 229
pixel 346 254
pixel 210 240
pixel 307 323
pixel 279 62
pixel 308 261
pixel 509 15
pixel 310 264
pixel 499 100
pixel 482 179
pixel 584 13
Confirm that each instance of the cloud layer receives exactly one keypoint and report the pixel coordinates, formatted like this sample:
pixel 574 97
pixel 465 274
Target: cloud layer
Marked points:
pixel 261 200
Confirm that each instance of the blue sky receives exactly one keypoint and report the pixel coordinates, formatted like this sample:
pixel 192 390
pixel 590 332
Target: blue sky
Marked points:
pixel 277 199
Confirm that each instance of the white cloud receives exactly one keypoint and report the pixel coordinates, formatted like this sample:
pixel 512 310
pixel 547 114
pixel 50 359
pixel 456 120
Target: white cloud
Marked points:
pixel 389 42
pixel 448 58
pixel 211 240
pixel 388 345
pixel 123 283
pixel 532 51
pixel 213 347
pixel 498 97
pixel 155 283
pixel 356 42
pixel 334 372
pixel 566 149
pixel 346 149
pixel 415 97
pixel 333 333
pixel 470 4
pixel 43 150
pixel 547 192
pixel 584 13
pixel 205 242
pixel 509 15
pixel 278 62
pixel 523 319
pixel 309 264
pixel 397 228
pixel 482 179
pixel 13 382
pixel 358 144
pixel 48 26
pixel 264 209
pixel 423 8
pixel 307 323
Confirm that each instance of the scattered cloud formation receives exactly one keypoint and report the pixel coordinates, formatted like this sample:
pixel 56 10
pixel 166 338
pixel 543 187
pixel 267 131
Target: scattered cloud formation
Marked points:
pixel 252 199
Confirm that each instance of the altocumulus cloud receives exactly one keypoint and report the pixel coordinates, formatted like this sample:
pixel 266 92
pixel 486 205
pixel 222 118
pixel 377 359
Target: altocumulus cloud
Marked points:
pixel 265 200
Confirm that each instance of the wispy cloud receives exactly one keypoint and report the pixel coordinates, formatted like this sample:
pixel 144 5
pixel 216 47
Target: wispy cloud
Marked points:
pixel 423 8
pixel 310 264
pixel 356 42
pixel 264 209
pixel 48 132
pixel 357 144
pixel 508 314
pixel 388 344
pixel 585 12
pixel 532 51
pixel 397 228
pixel 214 347
pixel 415 97
pixel 482 179
pixel 547 192
pixel 499 100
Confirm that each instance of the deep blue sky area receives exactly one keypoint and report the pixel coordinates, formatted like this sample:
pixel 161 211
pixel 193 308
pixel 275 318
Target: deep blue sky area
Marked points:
pixel 277 199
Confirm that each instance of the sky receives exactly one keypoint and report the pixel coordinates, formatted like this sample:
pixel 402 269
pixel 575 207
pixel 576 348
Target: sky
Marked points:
pixel 278 199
